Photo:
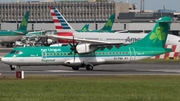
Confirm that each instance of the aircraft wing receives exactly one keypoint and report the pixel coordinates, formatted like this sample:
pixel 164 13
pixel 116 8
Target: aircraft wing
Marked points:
pixel 93 43
pixel 83 40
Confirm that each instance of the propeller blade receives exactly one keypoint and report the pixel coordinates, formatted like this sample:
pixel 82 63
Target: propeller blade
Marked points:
pixel 73 40
pixel 74 47
pixel 70 53
pixel 74 56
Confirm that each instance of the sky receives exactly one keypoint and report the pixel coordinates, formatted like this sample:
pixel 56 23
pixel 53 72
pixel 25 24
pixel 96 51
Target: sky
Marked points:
pixel 149 4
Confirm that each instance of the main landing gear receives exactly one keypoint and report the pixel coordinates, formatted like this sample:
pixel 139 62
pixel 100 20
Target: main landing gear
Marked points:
pixel 88 67
pixel 75 68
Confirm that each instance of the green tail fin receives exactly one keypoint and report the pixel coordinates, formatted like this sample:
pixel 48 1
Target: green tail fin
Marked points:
pixel 85 28
pixel 24 23
pixel 109 23
pixel 157 37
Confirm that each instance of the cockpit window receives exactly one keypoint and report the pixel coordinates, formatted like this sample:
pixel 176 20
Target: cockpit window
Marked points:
pixel 16 52
pixel 12 52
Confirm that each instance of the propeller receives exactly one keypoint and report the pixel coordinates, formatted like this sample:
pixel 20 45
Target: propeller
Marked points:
pixel 73 48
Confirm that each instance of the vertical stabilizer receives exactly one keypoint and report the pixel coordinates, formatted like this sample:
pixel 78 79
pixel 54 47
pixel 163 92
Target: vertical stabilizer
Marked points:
pixel 157 37
pixel 85 28
pixel 62 26
pixel 109 23
pixel 24 23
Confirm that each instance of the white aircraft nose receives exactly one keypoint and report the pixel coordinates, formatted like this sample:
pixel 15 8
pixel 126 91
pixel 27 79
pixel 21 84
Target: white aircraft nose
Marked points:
pixel 4 59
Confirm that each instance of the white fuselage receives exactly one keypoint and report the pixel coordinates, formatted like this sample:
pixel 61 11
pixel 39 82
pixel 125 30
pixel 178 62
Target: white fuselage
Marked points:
pixel 122 37
pixel 9 38
pixel 28 61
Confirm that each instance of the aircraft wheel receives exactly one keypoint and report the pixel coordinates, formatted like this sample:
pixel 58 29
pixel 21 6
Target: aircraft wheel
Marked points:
pixel 75 68
pixel 89 67
pixel 12 68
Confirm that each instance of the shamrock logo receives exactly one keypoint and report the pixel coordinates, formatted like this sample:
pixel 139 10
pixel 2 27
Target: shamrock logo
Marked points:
pixel 109 23
pixel 159 34
pixel 24 22
pixel 84 29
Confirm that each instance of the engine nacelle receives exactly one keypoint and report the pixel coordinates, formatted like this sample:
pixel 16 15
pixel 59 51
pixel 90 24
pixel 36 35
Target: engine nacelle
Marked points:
pixel 49 41
pixel 85 48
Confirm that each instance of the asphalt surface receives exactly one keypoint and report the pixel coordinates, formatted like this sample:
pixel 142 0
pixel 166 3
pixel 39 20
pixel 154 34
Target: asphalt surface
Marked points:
pixel 120 69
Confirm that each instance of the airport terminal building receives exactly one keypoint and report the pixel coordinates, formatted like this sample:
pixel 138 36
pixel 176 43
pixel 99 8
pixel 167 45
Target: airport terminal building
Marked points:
pixel 74 11
pixel 78 13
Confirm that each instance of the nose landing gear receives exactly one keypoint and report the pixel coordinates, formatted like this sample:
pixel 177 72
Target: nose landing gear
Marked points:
pixel 12 67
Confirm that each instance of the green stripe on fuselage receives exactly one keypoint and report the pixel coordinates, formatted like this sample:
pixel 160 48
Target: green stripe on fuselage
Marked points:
pixel 63 51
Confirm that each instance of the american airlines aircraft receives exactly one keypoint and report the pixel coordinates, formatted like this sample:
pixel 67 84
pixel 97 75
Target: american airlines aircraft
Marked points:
pixel 66 34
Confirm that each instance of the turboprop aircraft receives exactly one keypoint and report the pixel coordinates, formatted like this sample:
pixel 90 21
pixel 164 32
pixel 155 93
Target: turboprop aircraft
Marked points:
pixel 66 33
pixel 9 36
pixel 89 55
pixel 106 28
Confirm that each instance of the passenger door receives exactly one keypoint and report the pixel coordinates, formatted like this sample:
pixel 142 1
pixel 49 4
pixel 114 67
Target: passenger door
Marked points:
pixel 44 54
pixel 132 53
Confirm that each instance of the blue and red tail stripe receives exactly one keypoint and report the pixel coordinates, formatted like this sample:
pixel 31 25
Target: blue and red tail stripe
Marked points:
pixel 60 22
pixel 62 26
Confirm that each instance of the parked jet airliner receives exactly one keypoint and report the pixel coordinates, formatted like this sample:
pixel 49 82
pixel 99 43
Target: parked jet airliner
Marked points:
pixel 66 34
pixel 9 36
pixel 89 55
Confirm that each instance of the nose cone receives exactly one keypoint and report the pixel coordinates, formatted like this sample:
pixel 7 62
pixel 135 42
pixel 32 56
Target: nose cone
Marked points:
pixel 5 60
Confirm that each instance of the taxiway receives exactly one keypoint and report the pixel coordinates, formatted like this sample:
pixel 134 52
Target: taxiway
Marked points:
pixel 120 69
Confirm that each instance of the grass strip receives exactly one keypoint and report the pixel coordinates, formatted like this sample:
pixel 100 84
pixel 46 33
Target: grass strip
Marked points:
pixel 87 88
